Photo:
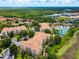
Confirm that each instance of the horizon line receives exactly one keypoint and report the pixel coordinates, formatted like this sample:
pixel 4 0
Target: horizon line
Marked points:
pixel 33 6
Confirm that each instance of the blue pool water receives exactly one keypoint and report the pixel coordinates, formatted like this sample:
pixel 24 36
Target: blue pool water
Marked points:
pixel 63 30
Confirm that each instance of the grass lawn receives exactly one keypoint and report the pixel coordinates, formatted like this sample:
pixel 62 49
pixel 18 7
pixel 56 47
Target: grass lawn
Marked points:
pixel 17 37
pixel 1 50
pixel 19 56
pixel 77 54
pixel 26 56
pixel 66 47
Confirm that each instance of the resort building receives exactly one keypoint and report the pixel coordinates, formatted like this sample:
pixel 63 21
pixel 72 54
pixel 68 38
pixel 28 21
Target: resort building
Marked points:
pixel 2 19
pixel 44 26
pixel 34 45
pixel 15 30
pixel 5 54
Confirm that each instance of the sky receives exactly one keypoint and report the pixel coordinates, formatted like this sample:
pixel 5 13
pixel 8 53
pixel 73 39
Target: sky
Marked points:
pixel 38 3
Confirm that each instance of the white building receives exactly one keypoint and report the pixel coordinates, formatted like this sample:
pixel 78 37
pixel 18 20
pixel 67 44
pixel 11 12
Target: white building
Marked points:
pixel 5 54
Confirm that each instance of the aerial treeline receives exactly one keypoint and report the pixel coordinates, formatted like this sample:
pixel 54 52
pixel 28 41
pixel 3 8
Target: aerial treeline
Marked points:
pixel 25 12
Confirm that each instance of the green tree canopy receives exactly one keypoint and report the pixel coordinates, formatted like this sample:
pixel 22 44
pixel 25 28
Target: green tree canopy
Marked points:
pixel 6 42
pixel 14 50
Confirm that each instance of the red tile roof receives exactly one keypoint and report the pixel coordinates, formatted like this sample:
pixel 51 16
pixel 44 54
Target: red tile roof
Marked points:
pixel 44 26
pixel 9 29
pixel 35 43
pixel 3 19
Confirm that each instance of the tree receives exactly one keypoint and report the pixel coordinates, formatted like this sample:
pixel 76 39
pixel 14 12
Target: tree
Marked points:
pixel 52 55
pixel 35 24
pixel 0 50
pixel 17 21
pixel 6 42
pixel 57 39
pixel 41 57
pixel 36 28
pixel 11 34
pixel 62 19
pixel 30 33
pixel 47 31
pixel 47 19
pixel 23 33
pixel 27 56
pixel 2 25
pixel 51 38
pixel 56 31
pixel 14 50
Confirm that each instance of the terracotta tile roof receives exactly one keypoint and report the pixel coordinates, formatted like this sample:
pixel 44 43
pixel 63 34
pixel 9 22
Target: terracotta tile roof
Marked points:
pixel 9 29
pixel 35 43
pixel 44 26
pixel 3 19
pixel 30 44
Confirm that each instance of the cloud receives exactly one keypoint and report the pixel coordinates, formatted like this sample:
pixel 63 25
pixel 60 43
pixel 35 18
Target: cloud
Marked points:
pixel 40 2
pixel 14 1
pixel 22 1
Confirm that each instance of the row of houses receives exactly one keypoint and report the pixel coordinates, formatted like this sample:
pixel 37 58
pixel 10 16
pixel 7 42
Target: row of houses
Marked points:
pixel 2 19
pixel 18 29
pixel 34 45
pixel 15 30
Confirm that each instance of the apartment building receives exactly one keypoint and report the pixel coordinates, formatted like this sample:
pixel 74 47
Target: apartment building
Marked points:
pixel 35 44
pixel 5 54
pixel 44 26
pixel 15 30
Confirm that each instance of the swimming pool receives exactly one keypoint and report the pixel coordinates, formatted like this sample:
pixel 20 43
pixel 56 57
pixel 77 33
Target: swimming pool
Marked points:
pixel 63 30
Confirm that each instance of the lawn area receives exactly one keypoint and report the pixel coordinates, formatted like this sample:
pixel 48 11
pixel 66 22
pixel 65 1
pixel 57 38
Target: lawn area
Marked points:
pixel 19 56
pixel 17 37
pixel 77 54
pixel 66 47
pixel 26 56
pixel 1 50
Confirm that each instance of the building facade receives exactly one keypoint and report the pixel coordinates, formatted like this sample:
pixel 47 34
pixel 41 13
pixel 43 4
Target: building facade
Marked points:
pixel 5 54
